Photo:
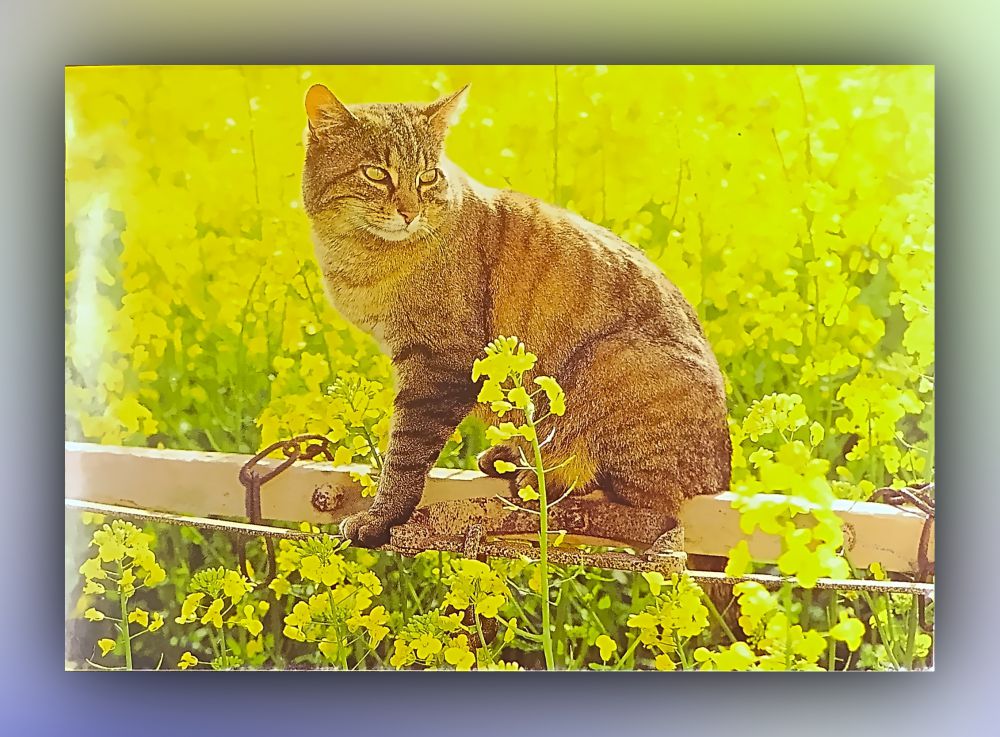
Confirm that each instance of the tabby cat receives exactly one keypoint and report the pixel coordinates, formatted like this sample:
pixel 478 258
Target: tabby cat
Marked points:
pixel 435 265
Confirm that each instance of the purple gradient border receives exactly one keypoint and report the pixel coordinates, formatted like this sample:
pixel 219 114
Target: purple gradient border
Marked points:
pixel 39 698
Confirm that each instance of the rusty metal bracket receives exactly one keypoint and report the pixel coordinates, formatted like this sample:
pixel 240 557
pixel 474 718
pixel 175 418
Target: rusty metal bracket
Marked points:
pixel 922 498
pixel 298 448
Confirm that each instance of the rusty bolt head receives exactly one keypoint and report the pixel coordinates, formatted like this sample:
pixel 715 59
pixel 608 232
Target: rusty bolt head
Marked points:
pixel 850 536
pixel 327 498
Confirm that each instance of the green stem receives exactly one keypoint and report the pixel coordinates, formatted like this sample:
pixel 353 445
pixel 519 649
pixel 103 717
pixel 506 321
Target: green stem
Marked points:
pixel 831 656
pixel 680 653
pixel 342 636
pixel 786 591
pixel 555 135
pixel 627 654
pixel 882 631
pixel 401 575
pixel 885 638
pixel 563 645
pixel 482 637
pixel 911 634
pixel 123 600
pixel 520 632
pixel 890 627
pixel 583 605
pixel 847 663
pixel 438 594
pixel 714 611
pixel 222 642
pixel 543 543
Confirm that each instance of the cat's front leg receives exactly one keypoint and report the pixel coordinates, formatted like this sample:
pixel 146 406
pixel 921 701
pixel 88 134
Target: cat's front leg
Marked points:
pixel 431 402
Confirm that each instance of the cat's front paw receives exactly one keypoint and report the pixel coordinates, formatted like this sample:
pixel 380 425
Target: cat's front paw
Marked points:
pixel 366 529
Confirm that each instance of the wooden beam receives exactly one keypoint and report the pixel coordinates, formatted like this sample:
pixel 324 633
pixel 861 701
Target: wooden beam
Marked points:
pixel 207 484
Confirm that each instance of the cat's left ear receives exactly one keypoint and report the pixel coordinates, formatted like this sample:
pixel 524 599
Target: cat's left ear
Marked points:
pixel 324 109
pixel 446 111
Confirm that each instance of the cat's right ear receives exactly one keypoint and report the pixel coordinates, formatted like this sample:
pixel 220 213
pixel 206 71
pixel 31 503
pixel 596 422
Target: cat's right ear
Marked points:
pixel 324 109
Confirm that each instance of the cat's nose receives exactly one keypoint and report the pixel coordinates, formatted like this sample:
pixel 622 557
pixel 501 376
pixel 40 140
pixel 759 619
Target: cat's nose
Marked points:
pixel 407 214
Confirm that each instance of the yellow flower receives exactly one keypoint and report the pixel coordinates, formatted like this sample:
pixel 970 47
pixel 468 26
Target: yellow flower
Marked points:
pixel 504 466
pixel 663 662
pixel 607 646
pixel 740 563
pixel 528 493
pixel 235 586
pixel 213 615
pixel 655 580
pixel 330 649
pixel 156 621
pixel 459 655
pixel 280 586
pixel 189 607
pixel 427 646
pixel 402 655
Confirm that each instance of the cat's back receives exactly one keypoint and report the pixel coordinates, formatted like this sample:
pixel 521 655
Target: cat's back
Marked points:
pixel 533 229
pixel 538 239
pixel 562 279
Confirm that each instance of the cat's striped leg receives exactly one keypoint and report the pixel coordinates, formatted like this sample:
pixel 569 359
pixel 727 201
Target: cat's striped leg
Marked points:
pixel 430 404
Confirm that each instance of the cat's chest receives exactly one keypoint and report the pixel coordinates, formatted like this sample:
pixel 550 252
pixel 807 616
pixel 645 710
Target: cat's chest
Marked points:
pixel 360 306
pixel 354 289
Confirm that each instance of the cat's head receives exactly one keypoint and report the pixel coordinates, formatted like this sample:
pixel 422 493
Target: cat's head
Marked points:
pixel 378 169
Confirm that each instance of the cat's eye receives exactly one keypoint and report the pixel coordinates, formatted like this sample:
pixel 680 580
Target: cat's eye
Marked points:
pixel 375 173
pixel 428 177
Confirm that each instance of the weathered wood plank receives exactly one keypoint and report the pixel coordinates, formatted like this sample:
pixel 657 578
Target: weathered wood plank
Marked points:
pixel 206 484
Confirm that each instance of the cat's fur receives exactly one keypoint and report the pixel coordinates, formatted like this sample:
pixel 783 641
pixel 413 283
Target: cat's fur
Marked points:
pixel 646 408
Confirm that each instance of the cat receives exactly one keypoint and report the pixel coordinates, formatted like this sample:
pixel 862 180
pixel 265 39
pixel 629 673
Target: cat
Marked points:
pixel 435 265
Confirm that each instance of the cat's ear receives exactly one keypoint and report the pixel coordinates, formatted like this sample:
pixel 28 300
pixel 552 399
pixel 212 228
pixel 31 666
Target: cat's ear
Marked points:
pixel 324 109
pixel 446 111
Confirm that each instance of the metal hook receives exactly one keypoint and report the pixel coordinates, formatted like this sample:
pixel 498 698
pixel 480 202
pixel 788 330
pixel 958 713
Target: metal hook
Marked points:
pixel 298 448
